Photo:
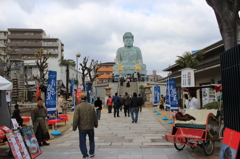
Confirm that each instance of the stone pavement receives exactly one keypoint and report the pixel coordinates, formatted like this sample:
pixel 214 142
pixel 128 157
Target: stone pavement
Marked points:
pixel 119 138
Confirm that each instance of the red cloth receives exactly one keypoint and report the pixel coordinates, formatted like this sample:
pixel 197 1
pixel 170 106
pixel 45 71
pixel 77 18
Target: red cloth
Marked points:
pixel 64 116
pixel 38 92
pixel 53 121
pixel 26 118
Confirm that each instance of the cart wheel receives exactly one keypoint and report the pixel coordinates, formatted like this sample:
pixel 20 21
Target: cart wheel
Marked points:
pixel 178 146
pixel 208 147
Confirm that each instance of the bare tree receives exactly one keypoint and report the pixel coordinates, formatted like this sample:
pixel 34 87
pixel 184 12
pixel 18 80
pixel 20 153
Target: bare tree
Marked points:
pixel 226 12
pixel 8 61
pixel 42 62
pixel 84 71
pixel 90 70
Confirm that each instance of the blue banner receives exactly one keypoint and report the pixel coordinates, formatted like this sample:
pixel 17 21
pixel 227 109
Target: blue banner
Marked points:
pixel 167 98
pixel 86 88
pixel 51 92
pixel 90 96
pixel 172 95
pixel 72 92
pixel 156 95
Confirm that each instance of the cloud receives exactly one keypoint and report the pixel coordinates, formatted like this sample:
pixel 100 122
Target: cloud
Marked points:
pixel 162 29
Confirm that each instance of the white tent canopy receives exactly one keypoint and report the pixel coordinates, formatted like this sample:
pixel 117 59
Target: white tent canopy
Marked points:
pixel 5 116
pixel 5 84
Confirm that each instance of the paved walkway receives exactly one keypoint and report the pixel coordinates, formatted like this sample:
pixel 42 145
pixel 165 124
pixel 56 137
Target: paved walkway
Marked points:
pixel 119 138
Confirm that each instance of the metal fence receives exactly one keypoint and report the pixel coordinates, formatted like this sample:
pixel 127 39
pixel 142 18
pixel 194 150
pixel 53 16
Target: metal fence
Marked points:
pixel 230 70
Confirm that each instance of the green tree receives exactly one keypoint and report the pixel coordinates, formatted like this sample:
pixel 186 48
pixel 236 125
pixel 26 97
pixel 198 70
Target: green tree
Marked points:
pixel 190 60
pixel 67 64
pixel 226 12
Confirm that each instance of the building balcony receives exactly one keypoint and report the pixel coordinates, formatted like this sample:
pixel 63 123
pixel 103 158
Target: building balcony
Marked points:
pixel 3 37
pixel 52 51
pixel 37 44
pixel 3 45
pixel 50 44
pixel 22 36
pixel 25 52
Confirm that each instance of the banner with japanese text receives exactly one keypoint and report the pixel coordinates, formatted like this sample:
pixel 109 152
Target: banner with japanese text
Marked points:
pixel 171 95
pixel 51 92
pixel 156 95
pixel 72 92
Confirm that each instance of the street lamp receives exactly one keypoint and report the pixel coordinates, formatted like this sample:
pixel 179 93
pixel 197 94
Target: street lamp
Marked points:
pixel 77 56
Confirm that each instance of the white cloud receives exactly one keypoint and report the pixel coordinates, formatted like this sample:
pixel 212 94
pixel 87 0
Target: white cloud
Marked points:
pixel 162 29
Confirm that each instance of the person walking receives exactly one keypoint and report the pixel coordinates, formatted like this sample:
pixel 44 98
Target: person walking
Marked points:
pixel 141 102
pixel 98 106
pixel 121 103
pixel 17 116
pixel 126 102
pixel 40 127
pixel 85 119
pixel 128 82
pixel 134 106
pixel 109 104
pixel 116 102
pixel 59 104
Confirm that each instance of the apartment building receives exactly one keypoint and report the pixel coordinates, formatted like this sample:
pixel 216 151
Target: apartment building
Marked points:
pixel 24 43
pixel 3 41
pixel 105 72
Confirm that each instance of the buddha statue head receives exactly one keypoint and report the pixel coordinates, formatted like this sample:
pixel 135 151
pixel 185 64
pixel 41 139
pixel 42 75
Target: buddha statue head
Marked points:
pixel 128 39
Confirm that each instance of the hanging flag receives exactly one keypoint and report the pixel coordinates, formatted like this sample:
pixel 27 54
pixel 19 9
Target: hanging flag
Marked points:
pixel 51 92
pixel 38 92
pixel 72 92
pixel 86 88
pixel 167 98
pixel 79 91
pixel 173 95
pixel 90 96
pixel 156 95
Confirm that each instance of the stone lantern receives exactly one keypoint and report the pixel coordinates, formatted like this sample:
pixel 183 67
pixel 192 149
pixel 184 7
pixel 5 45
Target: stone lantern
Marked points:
pixel 148 92
pixel 108 90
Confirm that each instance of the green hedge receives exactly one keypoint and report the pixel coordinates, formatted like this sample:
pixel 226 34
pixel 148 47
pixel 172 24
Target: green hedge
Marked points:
pixel 214 105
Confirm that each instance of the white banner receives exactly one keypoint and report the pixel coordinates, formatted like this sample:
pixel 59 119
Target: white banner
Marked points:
pixel 187 77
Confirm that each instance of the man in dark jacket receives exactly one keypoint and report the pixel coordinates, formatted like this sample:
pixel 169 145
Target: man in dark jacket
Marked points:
pixel 85 119
pixel 135 103
pixel 98 106
pixel 141 102
pixel 116 101
pixel 126 102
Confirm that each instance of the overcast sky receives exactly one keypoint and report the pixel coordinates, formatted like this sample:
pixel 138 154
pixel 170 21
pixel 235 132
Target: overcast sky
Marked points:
pixel 162 29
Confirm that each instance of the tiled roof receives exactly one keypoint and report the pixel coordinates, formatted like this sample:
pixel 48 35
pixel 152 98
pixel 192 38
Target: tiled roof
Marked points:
pixel 104 76
pixel 105 69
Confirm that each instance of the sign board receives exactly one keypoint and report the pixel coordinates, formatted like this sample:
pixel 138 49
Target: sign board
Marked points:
pixel 187 77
